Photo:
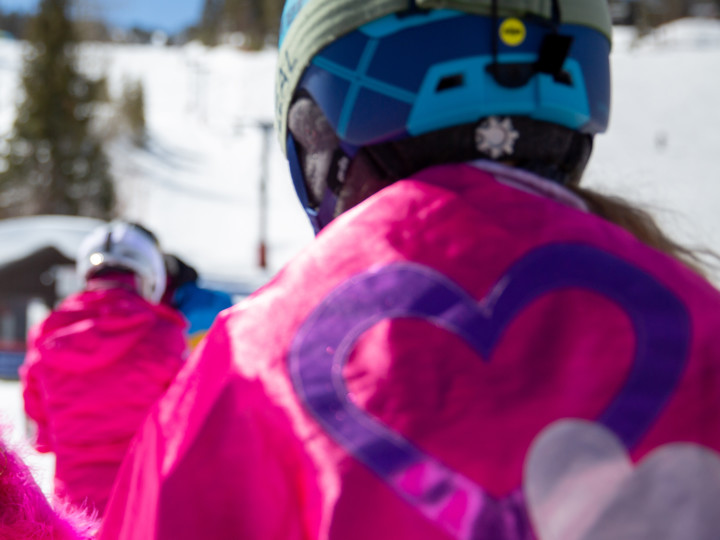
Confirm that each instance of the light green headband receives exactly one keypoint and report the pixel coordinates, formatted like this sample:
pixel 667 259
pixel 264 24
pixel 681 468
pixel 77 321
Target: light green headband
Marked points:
pixel 320 22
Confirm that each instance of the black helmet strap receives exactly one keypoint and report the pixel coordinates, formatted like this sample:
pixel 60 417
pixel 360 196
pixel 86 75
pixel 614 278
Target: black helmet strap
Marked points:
pixel 551 58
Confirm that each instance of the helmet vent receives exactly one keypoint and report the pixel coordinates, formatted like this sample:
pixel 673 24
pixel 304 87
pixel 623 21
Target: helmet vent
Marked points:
pixel 450 82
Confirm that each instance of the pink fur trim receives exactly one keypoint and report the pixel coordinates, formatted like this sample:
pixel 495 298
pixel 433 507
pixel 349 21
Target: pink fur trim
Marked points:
pixel 25 512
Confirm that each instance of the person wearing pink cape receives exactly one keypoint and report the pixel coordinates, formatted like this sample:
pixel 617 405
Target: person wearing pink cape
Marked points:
pixel 474 346
pixel 100 360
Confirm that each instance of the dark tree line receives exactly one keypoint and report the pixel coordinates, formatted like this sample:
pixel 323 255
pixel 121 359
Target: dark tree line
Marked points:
pixel 14 23
pixel 648 14
pixel 257 20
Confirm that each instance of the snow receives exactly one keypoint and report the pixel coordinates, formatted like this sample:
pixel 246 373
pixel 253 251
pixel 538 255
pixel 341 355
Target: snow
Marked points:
pixel 12 417
pixel 661 149
pixel 197 183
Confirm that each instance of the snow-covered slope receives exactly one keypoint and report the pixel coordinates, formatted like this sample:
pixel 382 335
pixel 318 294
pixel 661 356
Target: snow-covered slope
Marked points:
pixel 197 182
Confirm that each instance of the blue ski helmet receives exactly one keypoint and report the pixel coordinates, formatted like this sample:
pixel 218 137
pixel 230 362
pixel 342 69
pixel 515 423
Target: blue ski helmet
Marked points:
pixel 379 71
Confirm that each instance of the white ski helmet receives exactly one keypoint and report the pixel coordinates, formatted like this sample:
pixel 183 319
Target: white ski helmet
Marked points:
pixel 124 246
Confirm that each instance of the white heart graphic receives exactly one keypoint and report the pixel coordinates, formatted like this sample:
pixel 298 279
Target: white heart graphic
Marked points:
pixel 580 484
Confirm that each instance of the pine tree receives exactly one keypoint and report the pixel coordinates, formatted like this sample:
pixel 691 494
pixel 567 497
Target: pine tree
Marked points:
pixel 211 20
pixel 53 163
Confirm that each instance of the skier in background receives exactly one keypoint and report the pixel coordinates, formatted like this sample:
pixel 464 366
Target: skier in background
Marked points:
pixel 98 362
pixel 199 305
pixel 475 346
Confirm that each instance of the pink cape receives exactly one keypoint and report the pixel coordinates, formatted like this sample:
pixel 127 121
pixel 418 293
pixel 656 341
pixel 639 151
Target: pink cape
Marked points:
pixel 391 381
pixel 93 369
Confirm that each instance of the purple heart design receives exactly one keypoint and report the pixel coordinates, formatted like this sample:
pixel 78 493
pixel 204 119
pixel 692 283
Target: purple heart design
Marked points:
pixel 444 496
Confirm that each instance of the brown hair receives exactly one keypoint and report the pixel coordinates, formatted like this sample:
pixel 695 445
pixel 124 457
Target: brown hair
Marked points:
pixel 638 222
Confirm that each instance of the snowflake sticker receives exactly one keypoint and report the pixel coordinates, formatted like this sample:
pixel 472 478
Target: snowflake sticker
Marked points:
pixel 495 138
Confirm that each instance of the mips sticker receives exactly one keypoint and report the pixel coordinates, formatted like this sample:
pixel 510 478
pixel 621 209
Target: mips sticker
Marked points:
pixel 512 32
